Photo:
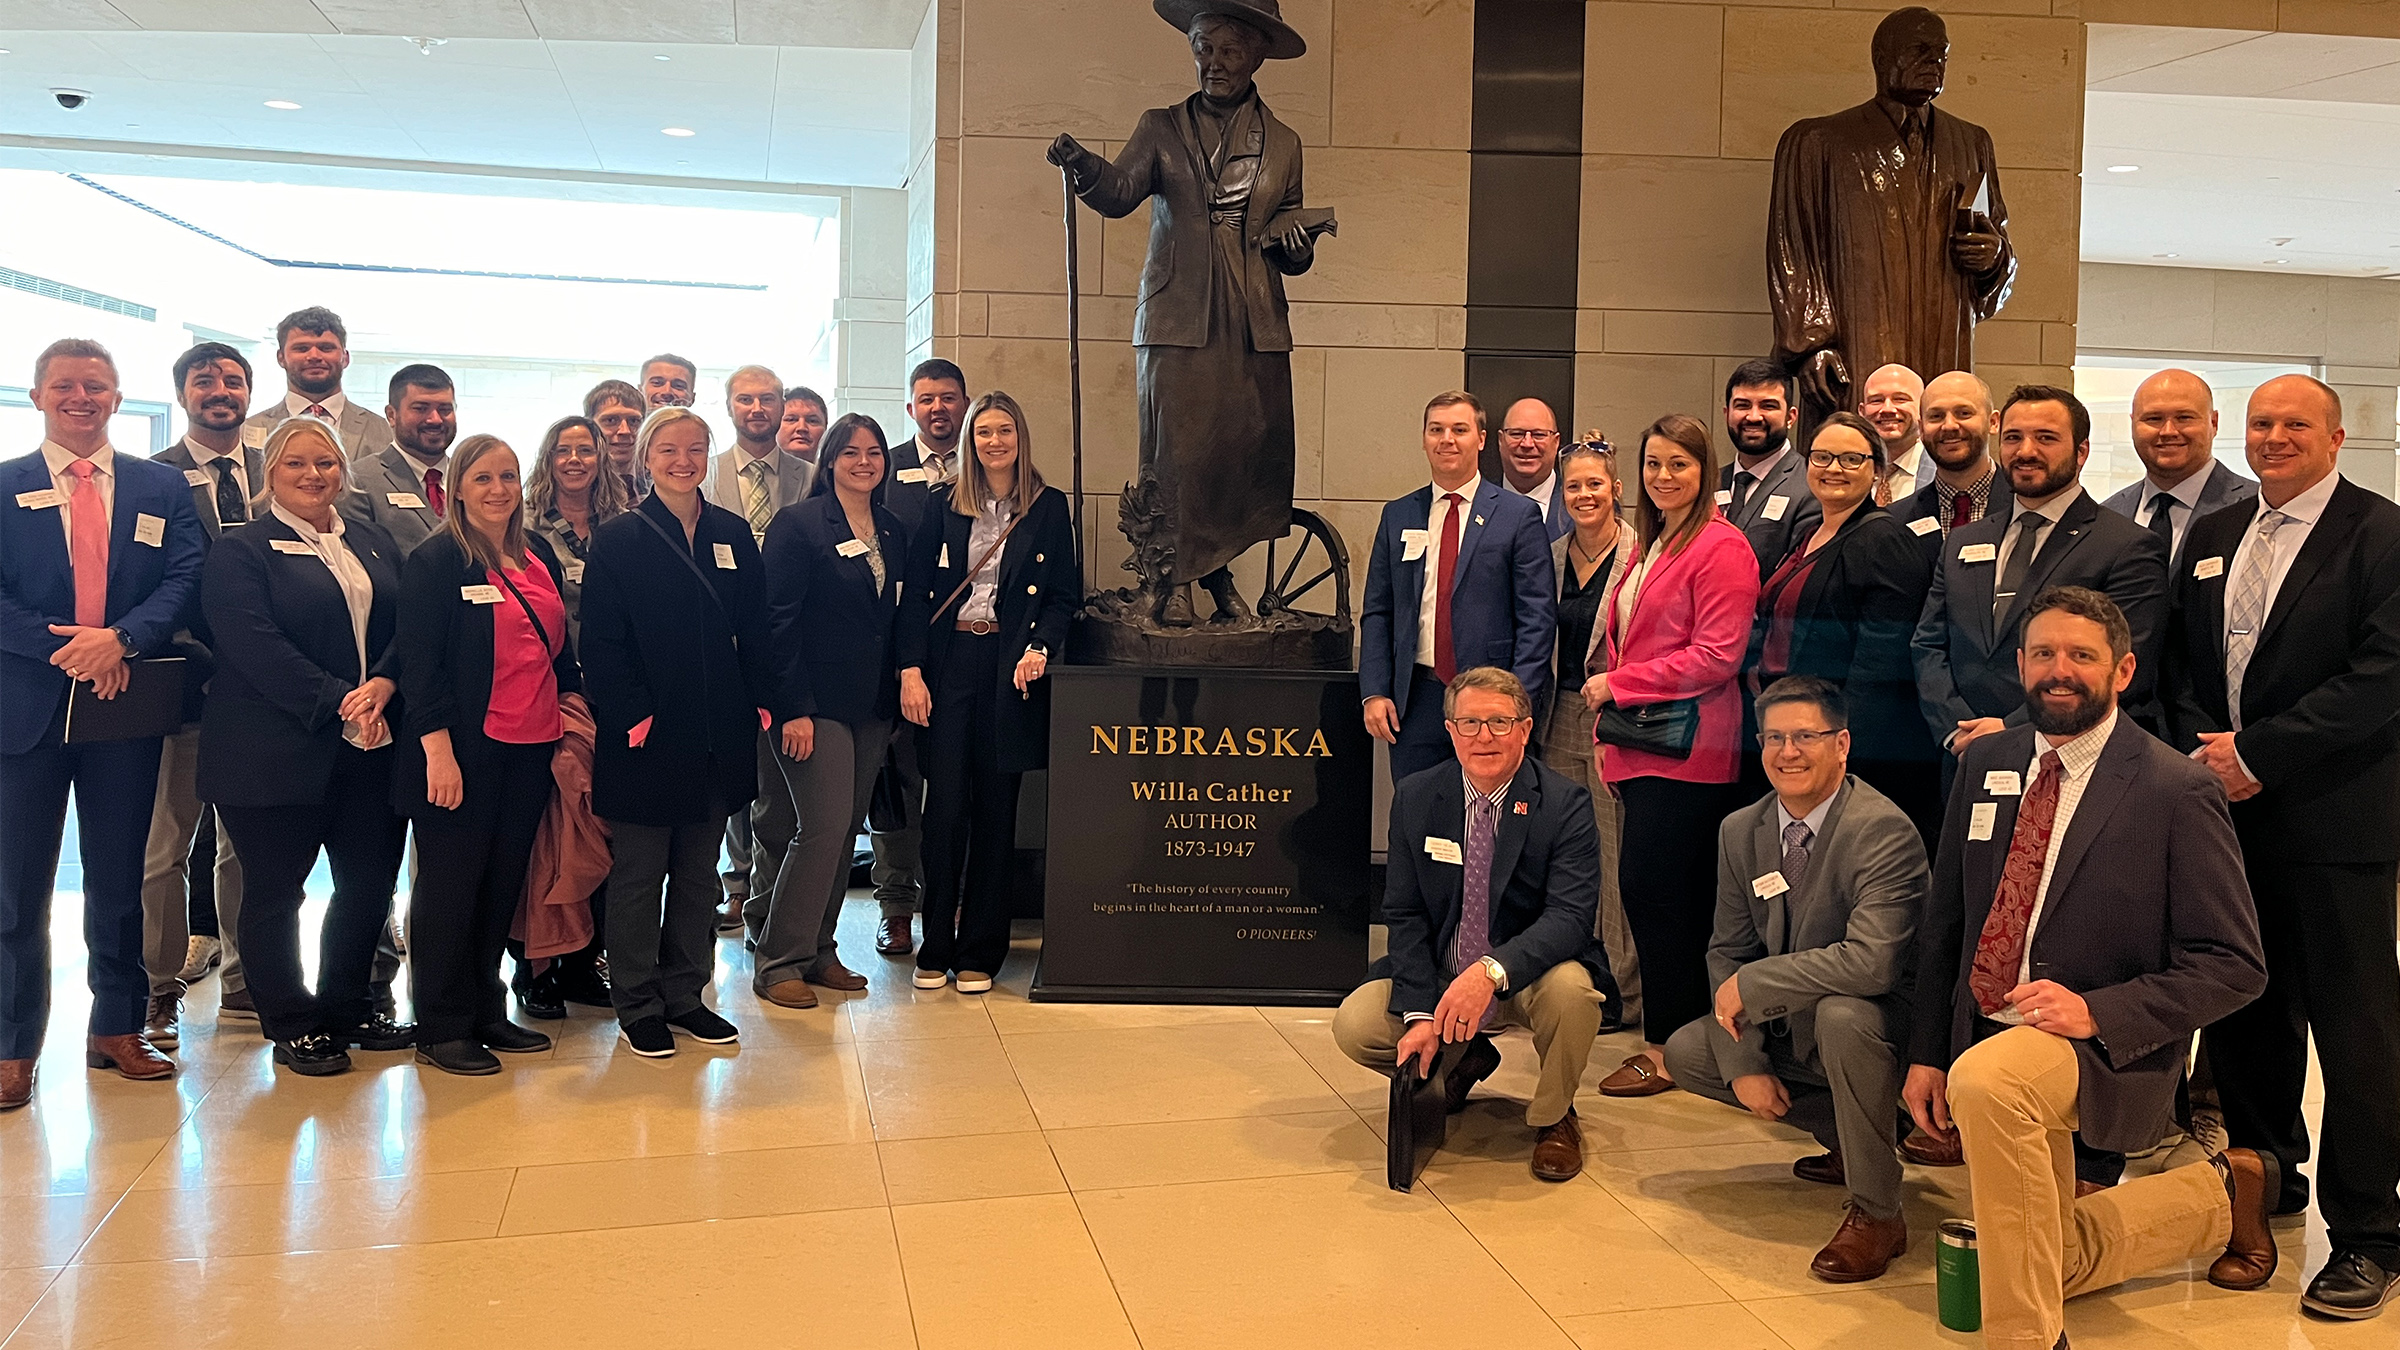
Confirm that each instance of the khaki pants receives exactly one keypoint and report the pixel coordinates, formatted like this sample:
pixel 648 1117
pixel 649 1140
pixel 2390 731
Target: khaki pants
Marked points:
pixel 1567 747
pixel 166 922
pixel 2013 1098
pixel 1561 1009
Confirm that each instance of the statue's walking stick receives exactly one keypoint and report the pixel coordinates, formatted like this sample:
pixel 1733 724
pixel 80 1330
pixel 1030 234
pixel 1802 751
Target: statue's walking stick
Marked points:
pixel 1074 354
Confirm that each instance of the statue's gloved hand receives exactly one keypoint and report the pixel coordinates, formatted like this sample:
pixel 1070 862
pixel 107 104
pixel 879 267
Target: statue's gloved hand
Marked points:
pixel 1976 250
pixel 1825 380
pixel 1068 153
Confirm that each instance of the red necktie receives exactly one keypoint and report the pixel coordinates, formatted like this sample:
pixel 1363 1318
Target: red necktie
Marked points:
pixel 433 490
pixel 1445 663
pixel 317 410
pixel 2000 950
pixel 89 557
pixel 1962 509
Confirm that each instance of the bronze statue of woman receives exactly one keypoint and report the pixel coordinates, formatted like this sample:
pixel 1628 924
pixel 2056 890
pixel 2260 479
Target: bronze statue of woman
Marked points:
pixel 1212 335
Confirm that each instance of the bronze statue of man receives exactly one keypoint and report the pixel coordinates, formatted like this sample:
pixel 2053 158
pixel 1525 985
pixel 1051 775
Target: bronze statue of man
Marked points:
pixel 1887 240
pixel 1212 336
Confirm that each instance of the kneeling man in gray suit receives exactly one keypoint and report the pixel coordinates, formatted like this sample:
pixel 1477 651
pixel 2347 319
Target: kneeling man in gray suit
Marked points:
pixel 1818 890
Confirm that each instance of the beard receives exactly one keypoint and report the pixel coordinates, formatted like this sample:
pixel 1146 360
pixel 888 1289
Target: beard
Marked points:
pixel 1955 451
pixel 2054 480
pixel 2091 705
pixel 1770 440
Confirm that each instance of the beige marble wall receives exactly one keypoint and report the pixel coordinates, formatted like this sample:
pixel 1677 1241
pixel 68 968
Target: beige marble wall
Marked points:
pixel 871 311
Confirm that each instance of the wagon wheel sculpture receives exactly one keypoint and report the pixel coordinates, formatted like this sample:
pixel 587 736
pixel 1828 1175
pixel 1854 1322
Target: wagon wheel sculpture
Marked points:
pixel 1319 559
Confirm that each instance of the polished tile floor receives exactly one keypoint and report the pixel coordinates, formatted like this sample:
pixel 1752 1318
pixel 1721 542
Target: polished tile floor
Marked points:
pixel 909 1169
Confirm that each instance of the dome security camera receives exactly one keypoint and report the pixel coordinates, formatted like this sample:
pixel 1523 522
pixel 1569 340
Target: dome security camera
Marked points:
pixel 71 99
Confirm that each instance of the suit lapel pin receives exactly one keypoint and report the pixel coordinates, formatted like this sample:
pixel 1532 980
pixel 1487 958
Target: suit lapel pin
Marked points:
pixel 1479 520
pixel 1521 809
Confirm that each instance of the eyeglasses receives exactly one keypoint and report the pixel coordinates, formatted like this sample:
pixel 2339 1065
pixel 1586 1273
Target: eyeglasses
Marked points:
pixel 1531 435
pixel 1772 741
pixel 1477 726
pixel 1848 459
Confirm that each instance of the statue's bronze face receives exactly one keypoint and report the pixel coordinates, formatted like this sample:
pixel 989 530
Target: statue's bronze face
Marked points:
pixel 1912 63
pixel 1226 53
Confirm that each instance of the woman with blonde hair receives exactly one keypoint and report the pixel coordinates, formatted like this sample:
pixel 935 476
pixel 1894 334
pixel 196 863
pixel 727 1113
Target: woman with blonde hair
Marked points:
pixel 992 583
pixel 570 494
pixel 485 661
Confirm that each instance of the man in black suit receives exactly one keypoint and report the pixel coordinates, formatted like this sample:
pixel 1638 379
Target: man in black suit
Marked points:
pixel 1491 894
pixel 1967 486
pixel 2054 534
pixel 2283 677
pixel 1764 491
pixel 2174 434
pixel 2088 914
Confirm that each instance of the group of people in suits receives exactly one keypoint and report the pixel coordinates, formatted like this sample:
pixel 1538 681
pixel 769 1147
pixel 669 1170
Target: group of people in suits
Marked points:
pixel 1926 779
pixel 546 700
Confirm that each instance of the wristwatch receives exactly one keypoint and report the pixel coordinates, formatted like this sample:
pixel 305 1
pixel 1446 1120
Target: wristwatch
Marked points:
pixel 1037 649
pixel 125 640
pixel 1498 973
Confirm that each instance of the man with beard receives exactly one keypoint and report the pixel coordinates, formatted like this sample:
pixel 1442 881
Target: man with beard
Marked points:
pixel 313 348
pixel 404 483
pixel 804 418
pixel 617 409
pixel 668 380
pixel 1764 491
pixel 1957 416
pixel 2088 914
pixel 1891 400
pixel 2054 534
pixel 2174 433
pixel 1529 462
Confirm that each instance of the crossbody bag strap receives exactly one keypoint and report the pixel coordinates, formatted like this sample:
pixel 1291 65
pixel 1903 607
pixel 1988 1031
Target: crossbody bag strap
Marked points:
pixel 694 568
pixel 977 569
pixel 523 603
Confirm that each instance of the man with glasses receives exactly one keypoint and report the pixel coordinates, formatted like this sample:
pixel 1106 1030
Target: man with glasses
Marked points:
pixel 1529 462
pixel 1490 898
pixel 1764 491
pixel 1818 889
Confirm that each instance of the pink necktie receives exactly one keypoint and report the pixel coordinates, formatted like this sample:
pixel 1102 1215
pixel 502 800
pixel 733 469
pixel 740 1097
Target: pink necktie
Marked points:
pixel 90 554
pixel 318 410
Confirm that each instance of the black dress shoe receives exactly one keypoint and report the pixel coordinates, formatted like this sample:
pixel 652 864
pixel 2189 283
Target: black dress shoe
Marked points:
pixel 381 1033
pixel 315 1055
pixel 467 1058
pixel 2350 1286
pixel 705 1026
pixel 510 1039
pixel 1475 1063
pixel 538 997
pixel 582 983
pixel 385 1004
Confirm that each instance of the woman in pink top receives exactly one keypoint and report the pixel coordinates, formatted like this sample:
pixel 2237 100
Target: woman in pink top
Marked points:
pixel 1675 626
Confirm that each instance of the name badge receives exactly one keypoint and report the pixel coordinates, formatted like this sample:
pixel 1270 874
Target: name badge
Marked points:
pixel 574 572
pixel 292 546
pixel 44 500
pixel 2208 567
pixel 1769 886
pixel 1979 553
pixel 1775 507
pixel 1923 525
pixel 944 560
pixel 1980 819
pixel 724 554
pixel 149 529
pixel 1443 850
pixel 909 476
pixel 480 595
pixel 1724 498
pixel 255 438
pixel 851 548
pixel 1412 544
pixel 197 478
pixel 406 501
pixel 2003 783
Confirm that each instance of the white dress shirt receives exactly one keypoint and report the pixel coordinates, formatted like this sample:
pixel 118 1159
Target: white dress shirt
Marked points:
pixel 982 604
pixel 1758 474
pixel 1437 521
pixel 2075 761
pixel 1538 494
pixel 1908 473
pixel 2185 494
pixel 1498 797
pixel 358 591
pixel 56 458
pixel 205 459
pixel 335 404
pixel 939 465
pixel 2303 511
pixel 2050 511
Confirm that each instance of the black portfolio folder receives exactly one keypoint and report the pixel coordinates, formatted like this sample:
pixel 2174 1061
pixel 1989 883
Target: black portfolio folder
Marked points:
pixel 150 704
pixel 1416 1128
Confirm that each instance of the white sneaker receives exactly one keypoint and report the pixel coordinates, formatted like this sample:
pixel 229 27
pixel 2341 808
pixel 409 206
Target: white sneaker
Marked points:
pixel 200 956
pixel 974 982
pixel 930 979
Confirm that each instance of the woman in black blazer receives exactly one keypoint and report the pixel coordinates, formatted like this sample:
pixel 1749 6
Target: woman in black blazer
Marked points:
pixel 1841 606
pixel 484 662
pixel 992 584
pixel 835 560
pixel 295 752
pixel 677 660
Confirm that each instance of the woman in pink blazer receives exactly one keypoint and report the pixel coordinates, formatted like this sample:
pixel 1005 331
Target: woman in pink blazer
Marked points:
pixel 1675 626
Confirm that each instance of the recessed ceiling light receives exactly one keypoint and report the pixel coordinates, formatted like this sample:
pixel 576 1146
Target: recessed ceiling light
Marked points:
pixel 283 105
pixel 2178 255
pixel 677 131
pixel 2274 262
pixel 662 56
pixel 2124 168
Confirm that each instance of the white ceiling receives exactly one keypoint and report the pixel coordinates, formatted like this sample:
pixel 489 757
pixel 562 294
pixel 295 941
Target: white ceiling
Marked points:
pixel 811 23
pixel 2255 151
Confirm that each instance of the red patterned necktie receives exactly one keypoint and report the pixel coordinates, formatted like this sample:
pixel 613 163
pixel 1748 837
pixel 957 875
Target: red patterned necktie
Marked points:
pixel 1445 662
pixel 1962 509
pixel 2001 948
pixel 433 490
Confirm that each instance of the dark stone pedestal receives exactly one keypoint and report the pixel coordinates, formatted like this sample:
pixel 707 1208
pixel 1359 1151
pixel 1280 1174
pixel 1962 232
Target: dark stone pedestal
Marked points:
pixel 1208 837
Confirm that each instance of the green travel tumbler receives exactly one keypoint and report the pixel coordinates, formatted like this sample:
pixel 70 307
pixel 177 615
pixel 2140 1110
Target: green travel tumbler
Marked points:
pixel 1958 1279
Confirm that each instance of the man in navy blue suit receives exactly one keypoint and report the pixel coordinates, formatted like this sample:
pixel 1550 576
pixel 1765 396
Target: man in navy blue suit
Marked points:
pixel 1460 577
pixel 99 563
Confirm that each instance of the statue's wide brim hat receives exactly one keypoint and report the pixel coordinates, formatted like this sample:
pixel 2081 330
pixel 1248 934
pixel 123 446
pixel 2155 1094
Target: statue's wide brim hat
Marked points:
pixel 1283 41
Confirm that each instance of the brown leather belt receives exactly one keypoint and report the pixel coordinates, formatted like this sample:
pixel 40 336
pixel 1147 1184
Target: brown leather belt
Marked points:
pixel 978 627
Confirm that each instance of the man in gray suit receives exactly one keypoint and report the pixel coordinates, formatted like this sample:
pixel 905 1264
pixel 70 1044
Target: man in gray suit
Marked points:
pixel 403 483
pixel 1818 890
pixel 1764 491
pixel 313 348
pixel 2174 432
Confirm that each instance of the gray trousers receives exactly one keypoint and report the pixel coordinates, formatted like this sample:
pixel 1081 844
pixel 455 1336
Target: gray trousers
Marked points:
pixel 660 955
pixel 774 818
pixel 899 864
pixel 1846 1094
pixel 829 790
pixel 166 918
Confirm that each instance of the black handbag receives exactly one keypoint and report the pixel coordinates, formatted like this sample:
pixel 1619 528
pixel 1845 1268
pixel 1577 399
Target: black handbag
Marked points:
pixel 1666 728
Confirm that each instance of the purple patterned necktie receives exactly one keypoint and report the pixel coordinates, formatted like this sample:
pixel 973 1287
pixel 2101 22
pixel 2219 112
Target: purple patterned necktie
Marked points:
pixel 1475 896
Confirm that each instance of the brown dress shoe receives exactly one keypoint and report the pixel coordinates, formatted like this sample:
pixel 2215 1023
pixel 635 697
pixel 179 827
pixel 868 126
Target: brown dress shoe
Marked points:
pixel 16 1083
pixel 790 994
pixel 729 919
pixel 2253 1180
pixel 834 975
pixel 1635 1078
pixel 1825 1169
pixel 1558 1152
pixel 129 1055
pixel 892 937
pixel 1862 1248
pixel 1926 1151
